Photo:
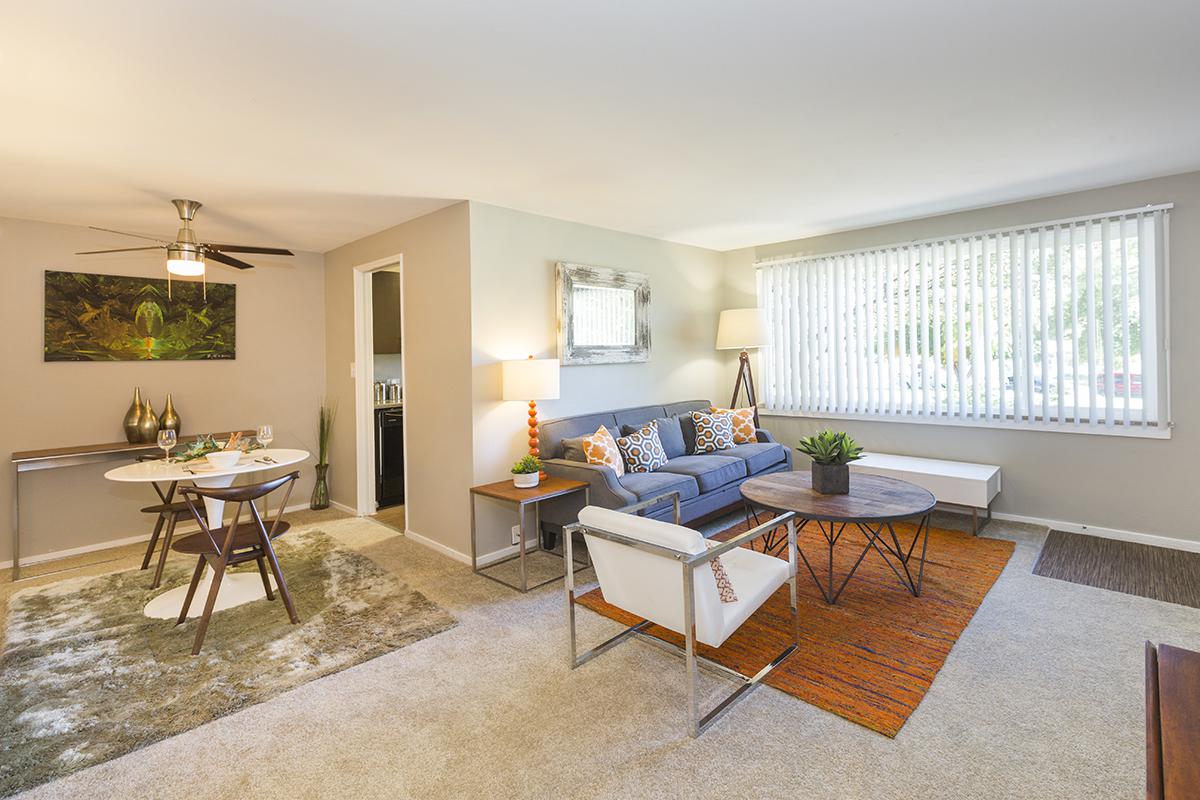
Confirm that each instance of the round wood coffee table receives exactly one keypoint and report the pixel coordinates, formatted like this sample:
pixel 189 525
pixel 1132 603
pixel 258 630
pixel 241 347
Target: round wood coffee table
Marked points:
pixel 873 506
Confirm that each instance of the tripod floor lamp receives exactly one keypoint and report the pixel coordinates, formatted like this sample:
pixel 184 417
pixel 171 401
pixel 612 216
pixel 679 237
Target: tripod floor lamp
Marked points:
pixel 743 329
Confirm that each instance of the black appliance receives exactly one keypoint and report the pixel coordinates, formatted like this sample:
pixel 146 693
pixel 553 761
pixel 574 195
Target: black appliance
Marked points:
pixel 389 457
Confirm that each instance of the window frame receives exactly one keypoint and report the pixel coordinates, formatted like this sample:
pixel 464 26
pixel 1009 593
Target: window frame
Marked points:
pixel 1161 429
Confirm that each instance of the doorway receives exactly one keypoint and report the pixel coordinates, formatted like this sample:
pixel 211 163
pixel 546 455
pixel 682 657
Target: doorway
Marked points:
pixel 379 392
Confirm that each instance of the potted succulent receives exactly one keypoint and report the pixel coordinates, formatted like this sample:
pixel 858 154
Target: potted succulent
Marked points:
pixel 526 472
pixel 831 454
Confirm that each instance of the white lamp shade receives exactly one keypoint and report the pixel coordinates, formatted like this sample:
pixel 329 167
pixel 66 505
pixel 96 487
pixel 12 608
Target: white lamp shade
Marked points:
pixel 742 328
pixel 530 379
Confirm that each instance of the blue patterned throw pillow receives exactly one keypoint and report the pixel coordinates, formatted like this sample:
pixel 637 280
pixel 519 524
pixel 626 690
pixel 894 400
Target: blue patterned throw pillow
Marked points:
pixel 642 450
pixel 713 431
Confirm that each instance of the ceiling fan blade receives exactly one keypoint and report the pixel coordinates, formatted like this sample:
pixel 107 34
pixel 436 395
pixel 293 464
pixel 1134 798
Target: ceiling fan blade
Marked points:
pixel 119 250
pixel 127 233
pixel 238 248
pixel 224 259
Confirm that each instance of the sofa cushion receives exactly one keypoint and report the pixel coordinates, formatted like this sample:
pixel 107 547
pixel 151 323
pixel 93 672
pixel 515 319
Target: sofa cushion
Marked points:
pixel 710 472
pixel 601 448
pixel 642 449
pixel 758 456
pixel 669 433
pixel 743 423
pixel 687 427
pixel 714 432
pixel 646 485
pixel 572 449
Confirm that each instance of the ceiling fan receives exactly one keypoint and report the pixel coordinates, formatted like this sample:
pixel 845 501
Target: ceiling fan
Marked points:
pixel 186 255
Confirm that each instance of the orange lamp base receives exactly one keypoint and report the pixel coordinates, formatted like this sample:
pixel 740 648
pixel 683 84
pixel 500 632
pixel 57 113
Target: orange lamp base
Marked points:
pixel 533 436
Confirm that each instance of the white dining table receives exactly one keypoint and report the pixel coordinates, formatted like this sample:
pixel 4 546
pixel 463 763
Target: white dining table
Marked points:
pixel 236 588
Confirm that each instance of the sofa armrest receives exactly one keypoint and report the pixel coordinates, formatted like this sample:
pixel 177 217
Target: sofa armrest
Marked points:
pixel 603 490
pixel 764 435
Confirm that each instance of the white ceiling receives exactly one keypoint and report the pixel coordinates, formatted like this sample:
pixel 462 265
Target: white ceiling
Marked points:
pixel 722 124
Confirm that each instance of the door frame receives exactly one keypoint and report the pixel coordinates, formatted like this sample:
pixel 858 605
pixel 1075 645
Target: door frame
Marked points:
pixel 364 377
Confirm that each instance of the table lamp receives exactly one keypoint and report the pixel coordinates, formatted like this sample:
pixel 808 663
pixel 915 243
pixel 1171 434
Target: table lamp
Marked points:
pixel 742 329
pixel 531 379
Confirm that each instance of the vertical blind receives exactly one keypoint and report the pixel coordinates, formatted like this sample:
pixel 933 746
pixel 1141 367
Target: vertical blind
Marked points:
pixel 1052 325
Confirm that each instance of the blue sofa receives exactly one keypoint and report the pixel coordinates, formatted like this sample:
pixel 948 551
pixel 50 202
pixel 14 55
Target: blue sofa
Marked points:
pixel 708 484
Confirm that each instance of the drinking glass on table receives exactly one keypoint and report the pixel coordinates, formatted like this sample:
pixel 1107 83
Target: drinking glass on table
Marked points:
pixel 166 440
pixel 265 435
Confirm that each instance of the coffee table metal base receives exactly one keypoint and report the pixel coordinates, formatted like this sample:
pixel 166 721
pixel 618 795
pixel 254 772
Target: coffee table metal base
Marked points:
pixel 882 538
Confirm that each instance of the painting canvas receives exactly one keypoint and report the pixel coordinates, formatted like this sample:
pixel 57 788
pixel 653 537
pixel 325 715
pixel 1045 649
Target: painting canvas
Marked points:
pixel 119 318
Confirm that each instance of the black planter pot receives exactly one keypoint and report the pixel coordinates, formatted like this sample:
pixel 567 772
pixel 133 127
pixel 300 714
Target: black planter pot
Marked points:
pixel 831 478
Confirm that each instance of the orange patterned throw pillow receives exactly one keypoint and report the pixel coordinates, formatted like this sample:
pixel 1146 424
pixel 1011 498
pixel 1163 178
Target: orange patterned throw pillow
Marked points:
pixel 743 423
pixel 601 448
pixel 724 585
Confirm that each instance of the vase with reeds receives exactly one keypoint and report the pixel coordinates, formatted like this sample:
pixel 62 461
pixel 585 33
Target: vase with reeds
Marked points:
pixel 320 492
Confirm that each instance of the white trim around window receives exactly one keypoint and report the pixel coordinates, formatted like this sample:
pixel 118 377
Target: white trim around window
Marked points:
pixel 1058 325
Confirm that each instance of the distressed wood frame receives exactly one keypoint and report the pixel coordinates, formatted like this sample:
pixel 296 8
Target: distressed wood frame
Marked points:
pixel 566 276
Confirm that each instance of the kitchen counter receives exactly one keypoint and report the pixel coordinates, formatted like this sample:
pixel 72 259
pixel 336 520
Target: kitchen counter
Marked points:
pixel 379 406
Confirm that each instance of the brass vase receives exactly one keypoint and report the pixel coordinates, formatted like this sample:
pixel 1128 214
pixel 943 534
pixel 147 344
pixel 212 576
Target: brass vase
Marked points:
pixel 134 416
pixel 169 420
pixel 148 425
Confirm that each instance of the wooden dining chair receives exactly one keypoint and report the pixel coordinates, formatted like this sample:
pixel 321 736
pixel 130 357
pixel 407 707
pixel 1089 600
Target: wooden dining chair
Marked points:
pixel 235 543
pixel 167 513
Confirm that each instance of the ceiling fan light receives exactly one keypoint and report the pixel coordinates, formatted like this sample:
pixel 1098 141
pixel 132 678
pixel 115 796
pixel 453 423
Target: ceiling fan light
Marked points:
pixel 184 261
pixel 177 266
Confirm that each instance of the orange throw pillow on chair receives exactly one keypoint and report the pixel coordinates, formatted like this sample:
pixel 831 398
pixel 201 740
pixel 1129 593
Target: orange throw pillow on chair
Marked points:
pixel 743 423
pixel 601 448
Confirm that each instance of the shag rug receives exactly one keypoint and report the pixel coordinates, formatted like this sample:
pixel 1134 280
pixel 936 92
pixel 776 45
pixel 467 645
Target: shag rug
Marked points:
pixel 871 657
pixel 85 677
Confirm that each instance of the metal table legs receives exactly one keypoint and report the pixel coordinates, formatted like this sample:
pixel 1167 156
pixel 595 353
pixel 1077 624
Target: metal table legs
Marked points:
pixel 522 549
pixel 882 538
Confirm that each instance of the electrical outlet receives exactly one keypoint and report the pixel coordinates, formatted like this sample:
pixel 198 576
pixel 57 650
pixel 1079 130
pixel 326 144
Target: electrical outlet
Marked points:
pixel 516 534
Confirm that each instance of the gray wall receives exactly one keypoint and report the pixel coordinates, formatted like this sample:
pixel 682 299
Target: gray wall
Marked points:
pixel 1126 484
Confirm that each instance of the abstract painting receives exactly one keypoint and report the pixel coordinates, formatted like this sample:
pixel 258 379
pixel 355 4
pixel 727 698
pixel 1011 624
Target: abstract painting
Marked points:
pixel 119 318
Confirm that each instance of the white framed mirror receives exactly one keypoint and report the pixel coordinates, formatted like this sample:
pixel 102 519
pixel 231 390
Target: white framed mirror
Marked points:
pixel 603 315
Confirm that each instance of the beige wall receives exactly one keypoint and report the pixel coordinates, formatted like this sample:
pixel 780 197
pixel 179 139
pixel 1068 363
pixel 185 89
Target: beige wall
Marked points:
pixel 1140 485
pixel 436 293
pixel 513 315
pixel 277 377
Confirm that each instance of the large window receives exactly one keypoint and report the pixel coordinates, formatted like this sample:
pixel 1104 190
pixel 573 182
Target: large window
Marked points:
pixel 1058 325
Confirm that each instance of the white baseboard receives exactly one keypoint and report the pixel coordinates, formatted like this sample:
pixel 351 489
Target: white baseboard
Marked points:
pixel 345 508
pixel 1155 540
pixel 437 546
pixel 92 548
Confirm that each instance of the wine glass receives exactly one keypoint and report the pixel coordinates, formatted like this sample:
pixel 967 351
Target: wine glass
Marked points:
pixel 167 440
pixel 265 435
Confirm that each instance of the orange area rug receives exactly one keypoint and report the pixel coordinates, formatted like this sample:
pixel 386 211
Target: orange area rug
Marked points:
pixel 871 657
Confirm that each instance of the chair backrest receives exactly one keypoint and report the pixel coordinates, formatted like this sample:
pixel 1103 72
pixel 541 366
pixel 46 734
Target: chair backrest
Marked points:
pixel 242 495
pixel 648 584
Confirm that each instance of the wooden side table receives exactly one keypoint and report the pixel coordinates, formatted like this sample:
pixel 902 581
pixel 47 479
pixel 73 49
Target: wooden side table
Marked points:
pixel 520 498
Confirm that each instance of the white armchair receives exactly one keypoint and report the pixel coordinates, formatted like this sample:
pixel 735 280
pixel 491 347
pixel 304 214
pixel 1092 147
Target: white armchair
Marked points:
pixel 662 572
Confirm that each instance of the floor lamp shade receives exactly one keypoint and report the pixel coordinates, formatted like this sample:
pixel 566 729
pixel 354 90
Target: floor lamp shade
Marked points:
pixel 742 328
pixel 530 379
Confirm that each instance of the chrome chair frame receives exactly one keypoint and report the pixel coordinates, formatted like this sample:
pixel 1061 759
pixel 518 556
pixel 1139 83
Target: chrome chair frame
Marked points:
pixel 697 723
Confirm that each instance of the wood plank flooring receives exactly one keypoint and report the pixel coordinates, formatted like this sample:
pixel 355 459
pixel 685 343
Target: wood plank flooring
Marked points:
pixel 1159 573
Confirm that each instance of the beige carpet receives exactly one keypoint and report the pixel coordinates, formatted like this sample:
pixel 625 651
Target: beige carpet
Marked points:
pixel 1040 698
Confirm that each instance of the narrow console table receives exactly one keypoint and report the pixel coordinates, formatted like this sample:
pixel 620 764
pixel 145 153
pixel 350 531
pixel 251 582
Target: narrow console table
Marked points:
pixel 74 456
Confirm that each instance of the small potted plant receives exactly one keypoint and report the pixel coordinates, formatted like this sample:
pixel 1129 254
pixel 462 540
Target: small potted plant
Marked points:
pixel 526 472
pixel 831 454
